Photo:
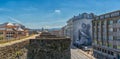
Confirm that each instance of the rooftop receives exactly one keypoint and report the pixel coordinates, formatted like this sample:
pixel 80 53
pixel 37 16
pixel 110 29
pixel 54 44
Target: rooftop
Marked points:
pixel 82 16
pixel 108 15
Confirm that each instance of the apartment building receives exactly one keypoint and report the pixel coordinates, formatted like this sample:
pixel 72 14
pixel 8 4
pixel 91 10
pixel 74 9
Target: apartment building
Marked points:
pixel 82 27
pixel 79 29
pixel 12 31
pixel 65 31
pixel 106 36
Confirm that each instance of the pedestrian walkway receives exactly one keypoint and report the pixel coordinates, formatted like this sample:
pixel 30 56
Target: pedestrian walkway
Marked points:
pixel 75 54
pixel 13 42
pixel 79 54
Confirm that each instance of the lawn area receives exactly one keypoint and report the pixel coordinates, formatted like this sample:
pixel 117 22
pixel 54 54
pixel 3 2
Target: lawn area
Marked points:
pixel 6 41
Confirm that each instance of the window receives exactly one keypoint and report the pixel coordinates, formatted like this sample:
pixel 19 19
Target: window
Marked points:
pixel 99 49
pixel 108 52
pixel 115 46
pixel 115 21
pixel 100 23
pixel 93 23
pixel 114 14
pixel 115 29
pixel 101 17
pixel 97 18
pixel 110 37
pixel 110 22
pixel 98 29
pixel 118 37
pixel 13 32
pixel 118 29
pixel 95 41
pixel 118 21
pixel 102 50
pixel 90 16
pixel 107 16
pixel 104 22
pixel 111 43
pixel 112 53
pixel 118 55
pixel 1 32
pixel 110 29
pixel 105 51
pixel 19 33
pixel 97 23
pixel 94 47
pixel 104 37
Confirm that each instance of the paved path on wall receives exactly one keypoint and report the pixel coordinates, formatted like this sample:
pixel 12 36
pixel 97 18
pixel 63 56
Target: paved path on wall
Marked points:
pixel 79 54
pixel 17 41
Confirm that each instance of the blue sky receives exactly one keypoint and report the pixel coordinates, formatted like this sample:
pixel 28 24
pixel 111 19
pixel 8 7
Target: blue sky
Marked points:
pixel 51 13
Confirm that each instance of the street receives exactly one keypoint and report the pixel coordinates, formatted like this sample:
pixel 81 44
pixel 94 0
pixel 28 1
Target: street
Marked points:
pixel 79 54
pixel 75 54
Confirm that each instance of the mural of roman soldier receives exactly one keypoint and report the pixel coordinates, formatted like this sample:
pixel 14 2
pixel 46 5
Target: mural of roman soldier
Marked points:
pixel 84 34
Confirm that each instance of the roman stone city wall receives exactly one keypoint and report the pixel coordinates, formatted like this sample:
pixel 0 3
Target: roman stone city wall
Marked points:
pixel 43 47
pixel 49 48
pixel 14 51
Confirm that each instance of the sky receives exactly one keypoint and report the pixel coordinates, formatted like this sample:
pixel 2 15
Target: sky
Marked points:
pixel 36 14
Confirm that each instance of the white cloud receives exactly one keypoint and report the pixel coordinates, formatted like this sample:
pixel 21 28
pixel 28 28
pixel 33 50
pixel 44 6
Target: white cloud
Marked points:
pixel 13 19
pixel 57 11
pixel 4 9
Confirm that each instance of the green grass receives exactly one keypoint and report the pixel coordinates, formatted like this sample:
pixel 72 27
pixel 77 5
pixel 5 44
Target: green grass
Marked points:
pixel 6 41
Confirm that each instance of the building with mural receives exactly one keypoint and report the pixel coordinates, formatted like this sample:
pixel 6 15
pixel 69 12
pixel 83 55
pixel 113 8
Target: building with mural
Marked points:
pixel 82 29
pixel 79 29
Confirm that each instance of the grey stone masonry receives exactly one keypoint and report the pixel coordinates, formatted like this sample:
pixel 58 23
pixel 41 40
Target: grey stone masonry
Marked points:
pixel 49 48
pixel 14 51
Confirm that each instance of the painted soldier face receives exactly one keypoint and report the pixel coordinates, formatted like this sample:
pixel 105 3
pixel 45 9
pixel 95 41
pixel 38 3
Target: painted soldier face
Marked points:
pixel 83 25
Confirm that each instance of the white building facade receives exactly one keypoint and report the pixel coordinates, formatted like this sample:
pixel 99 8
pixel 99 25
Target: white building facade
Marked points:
pixel 79 29
pixel 70 28
pixel 82 28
